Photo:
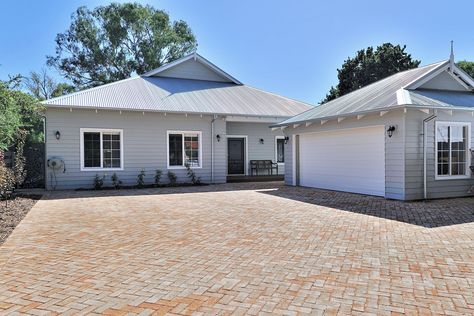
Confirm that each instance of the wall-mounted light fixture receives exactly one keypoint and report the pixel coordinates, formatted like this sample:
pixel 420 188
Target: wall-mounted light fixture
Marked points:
pixel 390 130
pixel 58 135
pixel 286 139
pixel 261 141
pixel 218 137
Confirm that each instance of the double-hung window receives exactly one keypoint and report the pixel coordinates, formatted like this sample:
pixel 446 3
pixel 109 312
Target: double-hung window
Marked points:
pixel 101 149
pixel 452 150
pixel 184 148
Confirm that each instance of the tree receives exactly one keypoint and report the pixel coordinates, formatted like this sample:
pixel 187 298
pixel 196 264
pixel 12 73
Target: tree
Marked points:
pixel 42 86
pixel 467 66
pixel 112 42
pixel 368 66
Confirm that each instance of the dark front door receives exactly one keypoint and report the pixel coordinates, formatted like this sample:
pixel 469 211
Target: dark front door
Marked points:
pixel 236 156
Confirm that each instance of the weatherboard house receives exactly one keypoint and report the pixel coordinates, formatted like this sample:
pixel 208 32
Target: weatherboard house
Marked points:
pixel 405 137
pixel 187 112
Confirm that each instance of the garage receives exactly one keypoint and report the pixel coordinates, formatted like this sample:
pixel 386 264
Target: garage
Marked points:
pixel 351 160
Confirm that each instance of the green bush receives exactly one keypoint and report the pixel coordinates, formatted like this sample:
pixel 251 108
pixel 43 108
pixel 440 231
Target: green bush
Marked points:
pixel 158 174
pixel 192 175
pixel 115 181
pixel 141 179
pixel 98 182
pixel 172 178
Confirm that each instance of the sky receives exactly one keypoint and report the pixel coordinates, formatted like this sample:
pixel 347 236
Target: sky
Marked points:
pixel 289 47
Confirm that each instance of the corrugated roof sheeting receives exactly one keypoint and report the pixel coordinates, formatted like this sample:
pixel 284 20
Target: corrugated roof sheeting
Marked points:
pixel 379 95
pixel 182 95
pixel 442 98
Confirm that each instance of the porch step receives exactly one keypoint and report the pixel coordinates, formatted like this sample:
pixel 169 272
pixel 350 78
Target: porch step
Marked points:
pixel 231 179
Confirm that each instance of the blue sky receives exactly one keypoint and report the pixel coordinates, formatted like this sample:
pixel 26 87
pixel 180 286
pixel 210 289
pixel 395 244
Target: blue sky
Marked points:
pixel 288 47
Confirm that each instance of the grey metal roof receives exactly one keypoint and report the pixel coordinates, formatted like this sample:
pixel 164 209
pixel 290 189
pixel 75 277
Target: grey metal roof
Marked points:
pixel 181 95
pixel 442 98
pixel 379 95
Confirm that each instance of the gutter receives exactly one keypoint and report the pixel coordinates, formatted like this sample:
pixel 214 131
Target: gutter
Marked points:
pixel 425 122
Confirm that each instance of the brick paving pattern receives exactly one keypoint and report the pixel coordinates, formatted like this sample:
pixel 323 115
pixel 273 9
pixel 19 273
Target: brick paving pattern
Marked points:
pixel 239 249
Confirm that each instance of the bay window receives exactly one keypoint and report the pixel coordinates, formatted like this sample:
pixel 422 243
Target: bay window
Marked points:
pixel 184 148
pixel 452 150
pixel 101 149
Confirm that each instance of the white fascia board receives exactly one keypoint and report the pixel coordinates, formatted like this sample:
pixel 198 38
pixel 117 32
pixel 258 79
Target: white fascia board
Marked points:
pixel 427 77
pixel 254 119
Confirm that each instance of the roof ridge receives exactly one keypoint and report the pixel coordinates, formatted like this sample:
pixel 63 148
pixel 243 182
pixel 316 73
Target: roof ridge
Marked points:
pixel 89 89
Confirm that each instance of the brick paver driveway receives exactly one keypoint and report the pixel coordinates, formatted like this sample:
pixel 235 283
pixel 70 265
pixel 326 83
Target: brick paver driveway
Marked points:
pixel 242 248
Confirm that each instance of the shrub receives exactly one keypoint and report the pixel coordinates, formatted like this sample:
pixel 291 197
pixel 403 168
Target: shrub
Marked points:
pixel 115 181
pixel 172 178
pixel 192 175
pixel 98 182
pixel 7 181
pixel 141 179
pixel 158 174
pixel 19 171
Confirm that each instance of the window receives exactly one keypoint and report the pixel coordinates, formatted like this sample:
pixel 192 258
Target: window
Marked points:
pixel 280 149
pixel 184 148
pixel 452 148
pixel 101 149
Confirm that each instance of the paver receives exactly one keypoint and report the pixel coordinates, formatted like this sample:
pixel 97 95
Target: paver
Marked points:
pixel 259 248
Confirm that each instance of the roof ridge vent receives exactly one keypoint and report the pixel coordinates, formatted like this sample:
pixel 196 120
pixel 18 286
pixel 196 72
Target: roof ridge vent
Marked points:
pixel 451 58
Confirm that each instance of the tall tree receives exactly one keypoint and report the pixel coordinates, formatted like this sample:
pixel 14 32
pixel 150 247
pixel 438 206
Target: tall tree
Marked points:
pixel 42 86
pixel 467 66
pixel 112 42
pixel 368 66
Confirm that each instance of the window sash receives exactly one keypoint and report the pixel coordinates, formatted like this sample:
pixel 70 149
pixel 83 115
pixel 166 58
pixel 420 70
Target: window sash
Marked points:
pixel 109 152
pixel 189 152
pixel 452 149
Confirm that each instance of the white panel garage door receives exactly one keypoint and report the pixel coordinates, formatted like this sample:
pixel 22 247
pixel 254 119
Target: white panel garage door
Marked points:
pixel 351 160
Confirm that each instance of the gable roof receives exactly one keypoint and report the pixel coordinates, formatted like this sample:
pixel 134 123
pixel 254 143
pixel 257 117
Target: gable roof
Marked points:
pixel 168 69
pixel 401 89
pixel 178 91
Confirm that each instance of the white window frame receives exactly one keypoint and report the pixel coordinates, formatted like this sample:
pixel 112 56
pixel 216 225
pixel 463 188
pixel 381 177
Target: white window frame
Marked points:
pixel 183 151
pixel 468 156
pixel 101 131
pixel 276 149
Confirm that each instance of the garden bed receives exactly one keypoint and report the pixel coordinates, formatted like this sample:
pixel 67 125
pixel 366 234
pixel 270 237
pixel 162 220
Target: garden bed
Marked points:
pixel 146 186
pixel 13 211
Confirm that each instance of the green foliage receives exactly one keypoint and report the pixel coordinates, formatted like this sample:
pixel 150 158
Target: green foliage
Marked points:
pixel 368 66
pixel 141 179
pixel 111 42
pixel 42 86
pixel 18 110
pixel 98 182
pixel 7 183
pixel 19 171
pixel 192 175
pixel 115 181
pixel 172 178
pixel 467 66
pixel 158 175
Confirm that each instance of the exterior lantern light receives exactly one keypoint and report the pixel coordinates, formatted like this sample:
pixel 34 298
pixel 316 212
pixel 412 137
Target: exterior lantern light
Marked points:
pixel 390 130
pixel 286 139
pixel 261 141
pixel 218 137
pixel 58 135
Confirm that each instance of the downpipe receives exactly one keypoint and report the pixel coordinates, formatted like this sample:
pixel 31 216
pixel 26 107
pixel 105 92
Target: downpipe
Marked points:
pixel 212 148
pixel 425 122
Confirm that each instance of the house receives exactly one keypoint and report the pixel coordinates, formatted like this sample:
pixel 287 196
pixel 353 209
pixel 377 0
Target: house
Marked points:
pixel 186 112
pixel 405 137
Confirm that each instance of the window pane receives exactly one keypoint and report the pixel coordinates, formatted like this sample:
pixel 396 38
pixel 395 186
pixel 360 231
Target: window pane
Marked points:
pixel 111 150
pixel 191 145
pixel 280 150
pixel 91 150
pixel 458 137
pixel 175 149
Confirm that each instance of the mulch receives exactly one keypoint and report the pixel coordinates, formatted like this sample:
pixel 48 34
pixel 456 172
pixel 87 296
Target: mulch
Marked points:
pixel 13 212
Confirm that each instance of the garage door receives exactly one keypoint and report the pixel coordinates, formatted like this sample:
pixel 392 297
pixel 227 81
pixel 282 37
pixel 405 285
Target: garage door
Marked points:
pixel 351 160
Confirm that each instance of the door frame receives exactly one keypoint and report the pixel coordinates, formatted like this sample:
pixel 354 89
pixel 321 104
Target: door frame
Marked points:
pixel 246 154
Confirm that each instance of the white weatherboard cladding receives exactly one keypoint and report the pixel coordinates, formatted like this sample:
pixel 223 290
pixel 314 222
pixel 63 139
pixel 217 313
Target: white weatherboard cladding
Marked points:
pixel 351 160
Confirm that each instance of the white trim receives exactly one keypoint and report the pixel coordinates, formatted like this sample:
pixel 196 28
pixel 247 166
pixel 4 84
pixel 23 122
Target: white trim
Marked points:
pixel 168 132
pixel 293 158
pixel 468 156
pixel 255 119
pixel 246 158
pixel 280 164
pixel 100 130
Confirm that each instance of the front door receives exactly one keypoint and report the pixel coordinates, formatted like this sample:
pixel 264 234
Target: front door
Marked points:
pixel 236 156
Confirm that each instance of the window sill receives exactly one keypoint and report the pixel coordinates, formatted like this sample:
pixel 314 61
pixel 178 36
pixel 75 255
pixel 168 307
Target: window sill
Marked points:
pixel 463 177
pixel 182 167
pixel 101 169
